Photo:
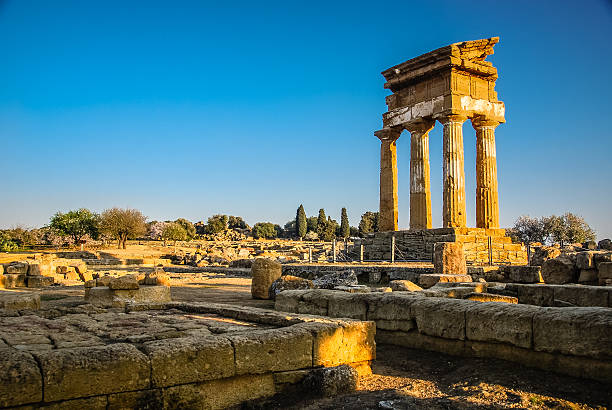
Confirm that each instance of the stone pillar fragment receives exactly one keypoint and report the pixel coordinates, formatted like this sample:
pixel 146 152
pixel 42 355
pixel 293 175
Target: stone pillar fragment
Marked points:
pixel 487 202
pixel 453 207
pixel 387 220
pixel 420 183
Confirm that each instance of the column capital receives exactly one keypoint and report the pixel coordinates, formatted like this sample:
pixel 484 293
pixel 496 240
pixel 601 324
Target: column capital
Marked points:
pixel 484 122
pixel 389 134
pixel 448 118
pixel 421 127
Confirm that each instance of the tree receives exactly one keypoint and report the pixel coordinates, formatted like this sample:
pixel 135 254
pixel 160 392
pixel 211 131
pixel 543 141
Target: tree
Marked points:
pixel 321 222
pixel 76 224
pixel 190 232
pixel 368 223
pixel 289 229
pixel 311 224
pixel 155 229
pixel 216 224
pixel 301 225
pixel 345 228
pixel 329 230
pixel 528 230
pixel 264 230
pixel 236 222
pixel 6 243
pixel 122 224
pixel 568 228
pixel 174 231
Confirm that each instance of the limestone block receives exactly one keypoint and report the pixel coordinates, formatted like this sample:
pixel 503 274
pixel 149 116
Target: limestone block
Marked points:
pixel 157 277
pixel 522 274
pixel 391 306
pixel 449 258
pixel 39 281
pixel 580 331
pixel 404 285
pixel 20 379
pixel 14 280
pixel 315 302
pixel 272 350
pixel 605 272
pixel 38 268
pixel 585 260
pixel 17 268
pixel 581 295
pixel 490 297
pixel 287 301
pixel 559 271
pixel 501 323
pixel 104 280
pixel 264 273
pixel 19 300
pixel 538 295
pixel 99 296
pixel 90 284
pixel 331 381
pixel 88 371
pixel 342 343
pixel 289 282
pixel 142 399
pixel 430 279
pixel 219 394
pixel 347 305
pixel 146 294
pixel 588 276
pixel 126 282
pixel 189 360
pixel 416 340
pixel 440 317
pixel 89 403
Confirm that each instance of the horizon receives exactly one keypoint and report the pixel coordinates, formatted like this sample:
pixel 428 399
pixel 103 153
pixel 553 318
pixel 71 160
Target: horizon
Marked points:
pixel 197 110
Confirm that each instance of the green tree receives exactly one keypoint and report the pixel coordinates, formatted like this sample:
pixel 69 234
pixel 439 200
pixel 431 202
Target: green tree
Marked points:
pixel 301 224
pixel 368 223
pixel 6 243
pixel 311 224
pixel 190 231
pixel 328 233
pixel 321 222
pixel 216 224
pixel 568 228
pixel 264 230
pixel 345 228
pixel 236 222
pixel 122 224
pixel 76 224
pixel 174 231
pixel 528 230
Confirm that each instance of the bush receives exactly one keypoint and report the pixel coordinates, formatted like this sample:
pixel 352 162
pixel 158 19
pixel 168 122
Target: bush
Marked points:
pixel 265 230
pixel 190 231
pixel 567 228
pixel 174 231
pixel 216 224
pixel 236 222
pixel 6 243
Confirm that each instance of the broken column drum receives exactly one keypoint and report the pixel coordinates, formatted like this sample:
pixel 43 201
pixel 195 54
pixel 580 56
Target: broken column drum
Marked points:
pixel 450 85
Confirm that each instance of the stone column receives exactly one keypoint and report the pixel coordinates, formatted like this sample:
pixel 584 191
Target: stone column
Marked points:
pixel 453 207
pixel 420 183
pixel 387 220
pixel 487 202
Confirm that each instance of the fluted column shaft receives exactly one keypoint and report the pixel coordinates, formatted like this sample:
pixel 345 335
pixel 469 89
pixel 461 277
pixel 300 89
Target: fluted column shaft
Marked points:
pixel 487 202
pixel 387 220
pixel 420 183
pixel 453 207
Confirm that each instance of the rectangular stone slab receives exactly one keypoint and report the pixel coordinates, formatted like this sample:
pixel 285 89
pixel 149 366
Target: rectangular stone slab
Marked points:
pixel 90 371
pixel 501 323
pixel 20 379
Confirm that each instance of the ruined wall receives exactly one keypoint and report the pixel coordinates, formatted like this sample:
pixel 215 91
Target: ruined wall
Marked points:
pixel 210 372
pixel 418 245
pixel 573 341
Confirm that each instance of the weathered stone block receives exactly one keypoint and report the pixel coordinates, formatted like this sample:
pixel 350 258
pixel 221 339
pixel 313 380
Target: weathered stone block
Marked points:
pixel 501 323
pixel 89 403
pixel 142 399
pixel 264 272
pixel 440 317
pixel 581 331
pixel 584 260
pixel 189 360
pixel 15 280
pixel 38 268
pixel 449 259
pixel 331 381
pixel 20 379
pixel 39 281
pixel 559 271
pixel 430 279
pixel 404 285
pixel 490 297
pixel 588 276
pixel 523 274
pixel 127 282
pixel 219 394
pixel 582 295
pixel 605 272
pixel 538 295
pixel 335 344
pixel 391 306
pixel 88 371
pixel 19 300
pixel 272 350
pixel 347 305
pixel 17 268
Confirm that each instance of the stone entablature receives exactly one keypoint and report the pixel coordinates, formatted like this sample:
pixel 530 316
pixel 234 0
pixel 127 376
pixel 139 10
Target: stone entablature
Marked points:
pixel 451 85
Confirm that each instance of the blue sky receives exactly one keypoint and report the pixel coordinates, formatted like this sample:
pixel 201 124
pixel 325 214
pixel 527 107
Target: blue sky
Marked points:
pixel 187 109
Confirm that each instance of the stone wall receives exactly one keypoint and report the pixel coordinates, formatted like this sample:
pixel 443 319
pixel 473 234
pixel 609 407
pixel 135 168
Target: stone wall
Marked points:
pixel 417 244
pixel 365 273
pixel 573 341
pixel 213 372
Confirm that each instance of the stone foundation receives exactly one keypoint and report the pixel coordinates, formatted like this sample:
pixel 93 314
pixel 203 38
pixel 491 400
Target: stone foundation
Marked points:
pixel 183 355
pixel 418 244
pixel 576 341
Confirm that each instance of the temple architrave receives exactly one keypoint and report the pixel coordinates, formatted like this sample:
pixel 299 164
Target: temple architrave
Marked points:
pixel 450 86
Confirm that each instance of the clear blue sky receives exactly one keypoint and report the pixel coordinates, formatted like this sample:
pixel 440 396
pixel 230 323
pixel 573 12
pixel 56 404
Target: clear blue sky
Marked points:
pixel 186 109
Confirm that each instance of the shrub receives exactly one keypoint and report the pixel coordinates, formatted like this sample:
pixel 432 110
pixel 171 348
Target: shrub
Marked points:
pixel 190 231
pixel 264 230
pixel 216 224
pixel 174 231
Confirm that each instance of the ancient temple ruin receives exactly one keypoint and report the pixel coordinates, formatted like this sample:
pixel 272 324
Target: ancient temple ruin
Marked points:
pixel 449 85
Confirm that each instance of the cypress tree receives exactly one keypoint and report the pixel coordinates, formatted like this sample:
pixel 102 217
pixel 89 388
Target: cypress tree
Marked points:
pixel 300 222
pixel 321 222
pixel 345 229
